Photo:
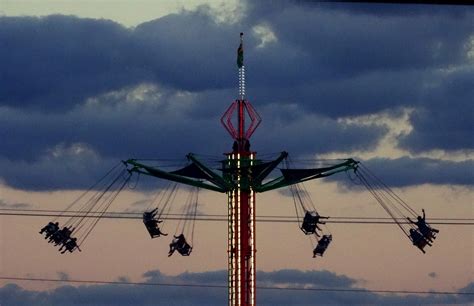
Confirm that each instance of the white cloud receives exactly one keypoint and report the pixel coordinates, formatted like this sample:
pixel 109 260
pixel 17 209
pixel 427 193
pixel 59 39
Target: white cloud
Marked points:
pixel 158 295
pixel 470 48
pixel 398 124
pixel 119 11
pixel 74 150
pixel 265 34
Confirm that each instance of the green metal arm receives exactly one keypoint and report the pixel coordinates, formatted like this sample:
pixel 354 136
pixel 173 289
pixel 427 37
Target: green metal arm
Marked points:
pixel 215 178
pixel 283 182
pixel 147 170
pixel 265 172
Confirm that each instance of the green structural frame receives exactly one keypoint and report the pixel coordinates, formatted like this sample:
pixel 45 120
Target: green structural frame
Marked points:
pixel 241 177
pixel 199 175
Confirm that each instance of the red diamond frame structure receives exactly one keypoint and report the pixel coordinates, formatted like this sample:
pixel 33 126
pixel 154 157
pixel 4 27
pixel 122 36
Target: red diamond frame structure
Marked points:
pixel 245 106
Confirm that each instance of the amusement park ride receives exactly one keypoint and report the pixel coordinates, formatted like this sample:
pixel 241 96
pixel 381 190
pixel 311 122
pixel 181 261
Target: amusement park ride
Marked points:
pixel 241 175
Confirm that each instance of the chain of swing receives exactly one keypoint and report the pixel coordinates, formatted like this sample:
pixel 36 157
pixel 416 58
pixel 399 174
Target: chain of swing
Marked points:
pixel 420 233
pixel 309 219
pixel 88 209
pixel 161 205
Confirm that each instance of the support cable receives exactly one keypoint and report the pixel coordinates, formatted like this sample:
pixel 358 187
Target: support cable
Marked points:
pixel 158 284
pixel 194 215
pixel 276 219
pixel 391 192
pixel 168 197
pixel 105 209
pixel 380 201
pixel 87 191
pixel 78 223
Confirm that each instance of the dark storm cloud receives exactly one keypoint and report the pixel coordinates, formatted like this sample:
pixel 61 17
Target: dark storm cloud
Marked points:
pixel 113 132
pixel 101 295
pixel 333 62
pixel 281 277
pixel 406 171
pixel 72 153
pixel 186 50
pixel 396 8
pixel 63 276
pixel 445 117
pixel 433 274
pixel 211 277
pixel 58 61
pixel 65 168
pixel 305 278
pixel 7 205
pixel 70 149
pixel 72 59
pixel 67 81
pixel 291 129
pixel 342 43
pixel 55 62
pixel 359 59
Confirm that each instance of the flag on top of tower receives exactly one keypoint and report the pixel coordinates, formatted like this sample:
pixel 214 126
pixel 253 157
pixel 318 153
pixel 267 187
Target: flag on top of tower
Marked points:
pixel 240 52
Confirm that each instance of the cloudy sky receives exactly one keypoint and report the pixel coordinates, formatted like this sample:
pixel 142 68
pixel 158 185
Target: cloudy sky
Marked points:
pixel 85 84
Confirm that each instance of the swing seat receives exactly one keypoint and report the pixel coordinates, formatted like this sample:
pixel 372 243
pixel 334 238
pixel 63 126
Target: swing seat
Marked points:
pixel 308 228
pixel 309 223
pixel 421 242
pixel 323 244
pixel 155 232
pixel 418 240
pixel 319 251
pixel 180 244
pixel 428 233
pixel 185 249
pixel 153 229
pixel 148 216
pixel 57 237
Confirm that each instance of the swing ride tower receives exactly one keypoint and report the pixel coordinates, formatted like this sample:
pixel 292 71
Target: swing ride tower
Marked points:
pixel 241 200
pixel 243 175
pixel 240 175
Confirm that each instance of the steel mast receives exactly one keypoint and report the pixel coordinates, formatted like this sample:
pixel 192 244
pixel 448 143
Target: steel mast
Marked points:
pixel 241 200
